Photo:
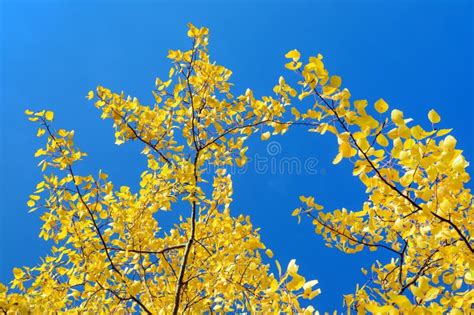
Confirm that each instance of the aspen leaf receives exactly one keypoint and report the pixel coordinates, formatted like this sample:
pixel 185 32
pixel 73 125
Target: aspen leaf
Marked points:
pixel 18 273
pixel 278 267
pixel 381 106
pixel 469 276
pixel 274 285
pixel 310 284
pixel 73 280
pixel 90 95
pixel 337 159
pixel 449 143
pixel 49 115
pixel 265 136
pixel 295 113
pixel 40 132
pixel 293 54
pixel 382 140
pixel 433 116
pixel 402 301
pixel 397 117
pixel 296 282
pixel 293 65
pixel 269 253
pixel 292 267
pixel 443 132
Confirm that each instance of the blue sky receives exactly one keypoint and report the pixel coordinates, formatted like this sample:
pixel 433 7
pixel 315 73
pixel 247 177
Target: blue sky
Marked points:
pixel 417 55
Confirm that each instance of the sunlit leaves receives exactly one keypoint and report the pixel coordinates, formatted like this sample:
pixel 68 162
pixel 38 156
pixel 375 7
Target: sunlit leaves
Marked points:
pixel 294 64
pixel 418 208
pixel 111 253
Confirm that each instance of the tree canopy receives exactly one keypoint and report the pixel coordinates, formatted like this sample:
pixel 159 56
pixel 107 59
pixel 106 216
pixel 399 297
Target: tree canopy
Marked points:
pixel 112 254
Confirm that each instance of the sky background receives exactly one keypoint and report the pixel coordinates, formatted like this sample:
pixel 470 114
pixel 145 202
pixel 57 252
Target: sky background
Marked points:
pixel 417 55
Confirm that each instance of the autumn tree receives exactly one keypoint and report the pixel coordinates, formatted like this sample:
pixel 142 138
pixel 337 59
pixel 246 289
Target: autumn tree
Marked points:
pixel 111 254
pixel 418 210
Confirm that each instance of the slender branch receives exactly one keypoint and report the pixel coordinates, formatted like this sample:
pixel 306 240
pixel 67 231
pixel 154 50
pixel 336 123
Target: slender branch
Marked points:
pixel 164 250
pixel 255 124
pixel 148 143
pixel 456 228
pixel 187 250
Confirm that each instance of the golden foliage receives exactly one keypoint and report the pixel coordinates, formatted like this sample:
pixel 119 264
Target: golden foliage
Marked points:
pixel 112 255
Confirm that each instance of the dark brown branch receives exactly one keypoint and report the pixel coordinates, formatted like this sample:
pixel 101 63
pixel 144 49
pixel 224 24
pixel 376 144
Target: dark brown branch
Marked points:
pixel 148 143
pixel 148 251
pixel 187 250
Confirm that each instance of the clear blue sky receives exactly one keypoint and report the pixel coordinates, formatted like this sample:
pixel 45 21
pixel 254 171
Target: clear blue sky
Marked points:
pixel 415 54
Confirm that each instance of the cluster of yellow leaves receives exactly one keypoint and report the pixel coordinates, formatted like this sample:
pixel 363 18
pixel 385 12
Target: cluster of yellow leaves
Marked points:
pixel 419 208
pixel 111 254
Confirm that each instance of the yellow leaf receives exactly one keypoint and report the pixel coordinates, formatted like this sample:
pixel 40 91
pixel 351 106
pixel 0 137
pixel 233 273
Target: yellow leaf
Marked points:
pixel 382 140
pixel 292 267
pixel 103 215
pixel 296 113
pixel 278 267
pixel 310 284
pixel 335 81
pixel 381 106
pixel 274 285
pixel 296 282
pixel 418 133
pixel 337 159
pixel 443 132
pixel 40 132
pixel 431 294
pixel 469 276
pixel 73 280
pixel 18 273
pixel 269 253
pixel 296 212
pixel 293 65
pixel 397 117
pixel 434 117
pixel 265 136
pixel 293 54
pixel 49 115
pixel 449 143
pixel 346 150
pixel 90 95
pixel 459 163
pixel 402 301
